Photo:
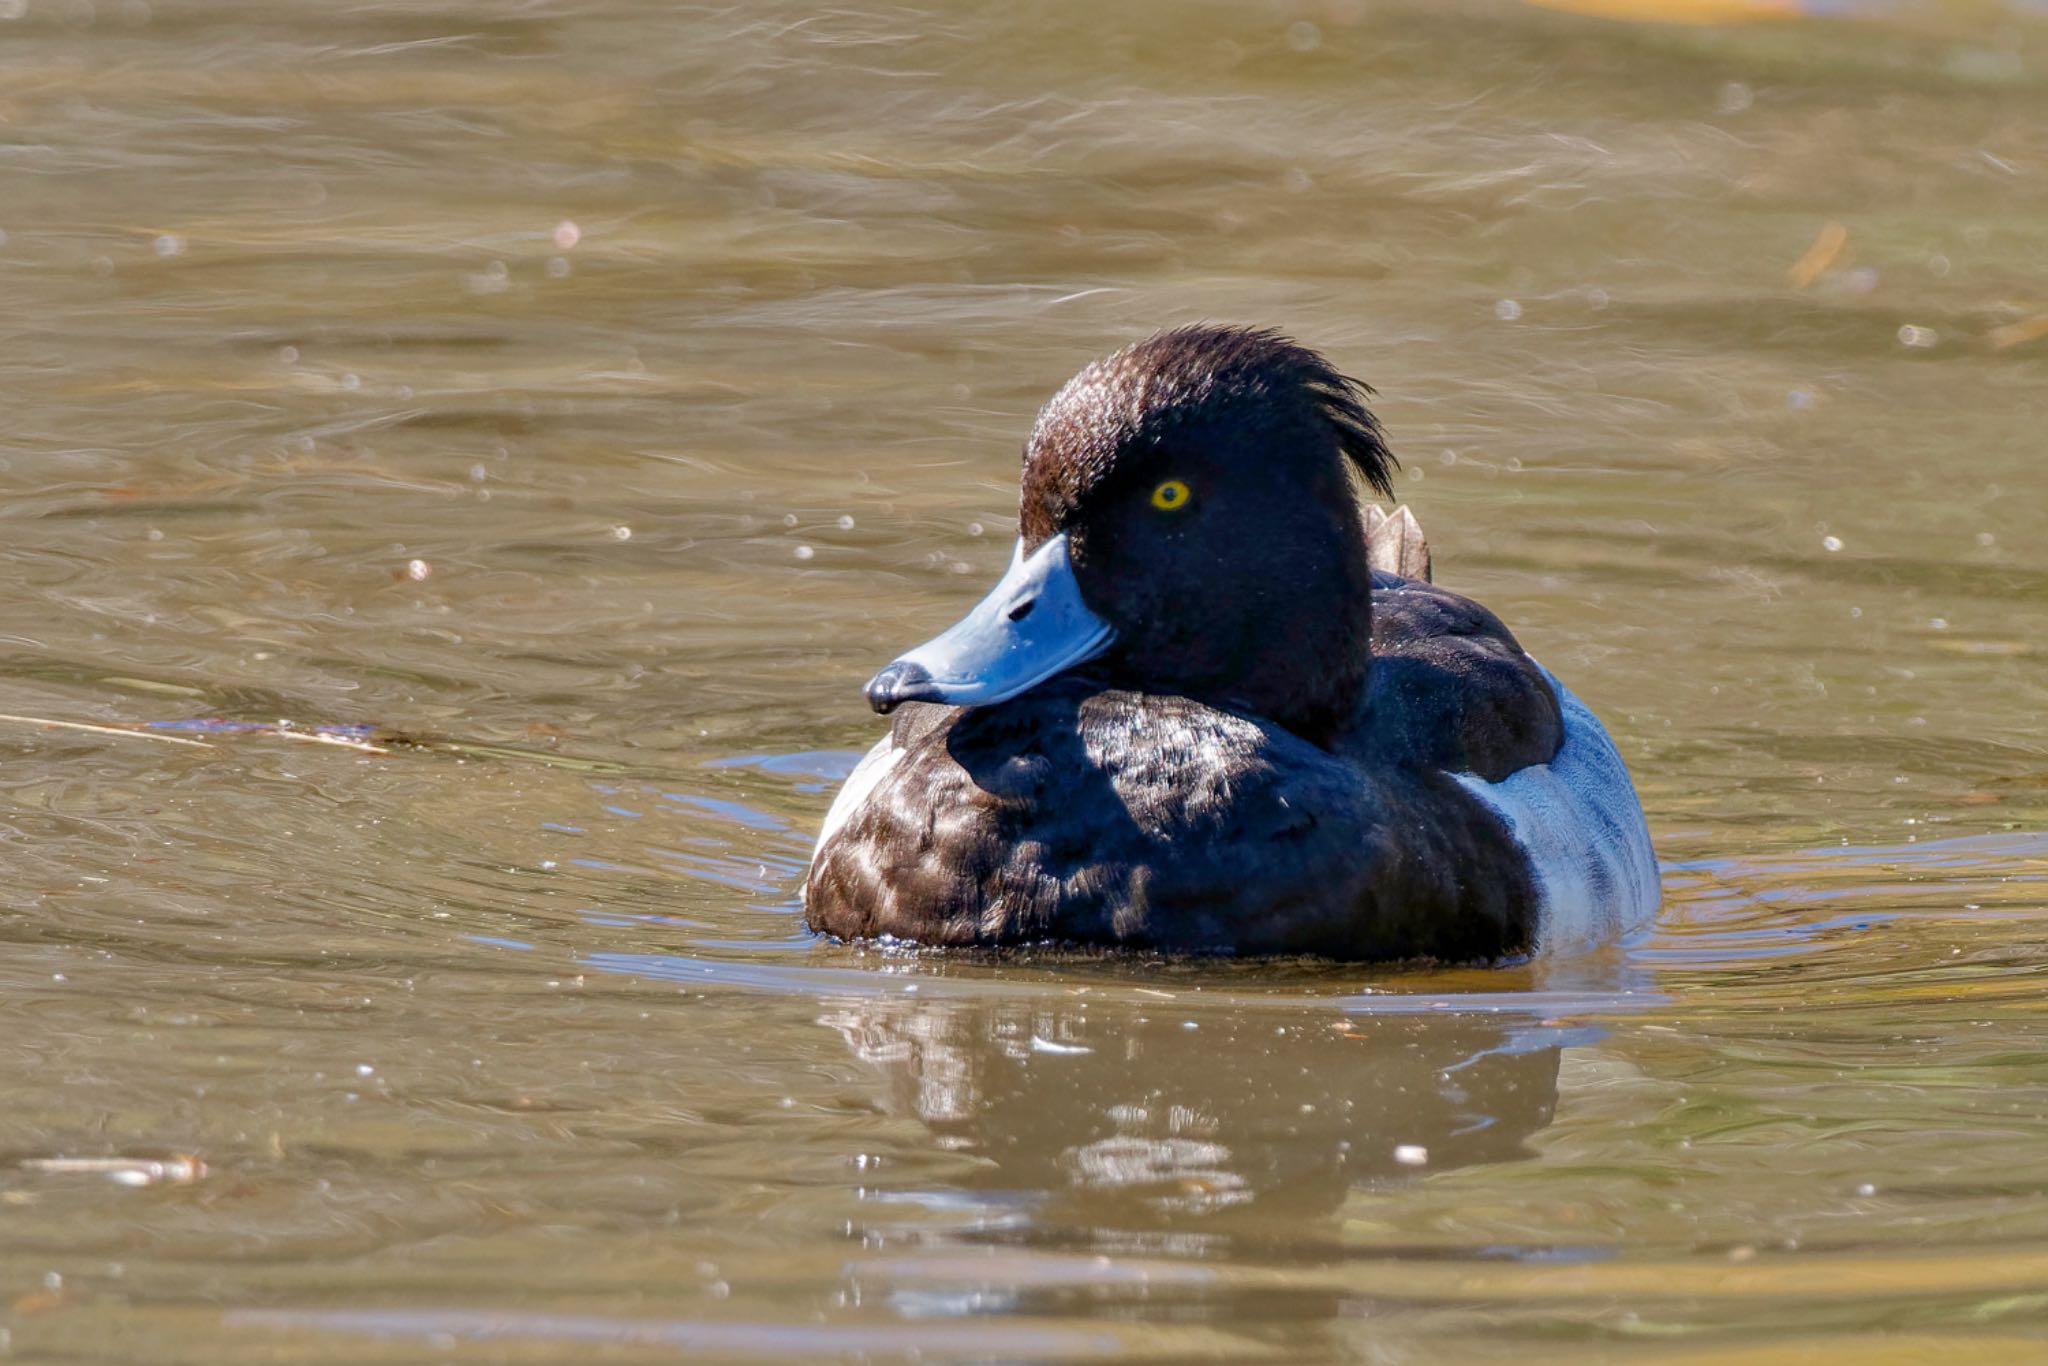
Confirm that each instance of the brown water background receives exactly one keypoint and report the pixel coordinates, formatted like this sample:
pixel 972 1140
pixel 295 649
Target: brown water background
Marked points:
pixel 600 391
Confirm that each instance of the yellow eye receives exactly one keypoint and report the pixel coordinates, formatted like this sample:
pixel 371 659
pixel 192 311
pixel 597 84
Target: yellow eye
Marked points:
pixel 1171 496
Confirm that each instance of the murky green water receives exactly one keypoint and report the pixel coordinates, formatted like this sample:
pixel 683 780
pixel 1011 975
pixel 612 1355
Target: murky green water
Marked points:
pixel 601 390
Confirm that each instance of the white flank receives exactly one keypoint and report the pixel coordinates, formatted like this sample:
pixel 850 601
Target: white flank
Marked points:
pixel 872 768
pixel 1578 820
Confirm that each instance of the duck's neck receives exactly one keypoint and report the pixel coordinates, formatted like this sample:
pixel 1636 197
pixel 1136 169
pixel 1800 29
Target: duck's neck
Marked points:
pixel 1315 656
pixel 1315 689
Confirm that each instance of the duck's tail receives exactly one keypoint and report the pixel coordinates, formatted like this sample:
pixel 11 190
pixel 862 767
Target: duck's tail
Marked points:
pixel 1393 543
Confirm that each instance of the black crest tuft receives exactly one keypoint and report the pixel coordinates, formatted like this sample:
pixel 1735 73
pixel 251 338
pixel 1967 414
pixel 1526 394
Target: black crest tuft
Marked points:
pixel 1342 399
pixel 1263 358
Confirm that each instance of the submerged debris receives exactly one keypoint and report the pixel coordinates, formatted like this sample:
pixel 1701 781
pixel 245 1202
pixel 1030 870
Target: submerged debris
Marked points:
pixel 1826 249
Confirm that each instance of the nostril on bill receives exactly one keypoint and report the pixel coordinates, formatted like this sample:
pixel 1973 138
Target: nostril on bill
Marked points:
pixel 1023 609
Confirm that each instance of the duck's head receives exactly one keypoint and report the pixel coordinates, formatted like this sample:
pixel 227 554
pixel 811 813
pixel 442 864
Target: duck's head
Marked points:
pixel 1189 524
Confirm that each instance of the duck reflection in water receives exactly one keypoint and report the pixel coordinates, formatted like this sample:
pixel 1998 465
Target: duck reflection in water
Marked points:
pixel 1147 1115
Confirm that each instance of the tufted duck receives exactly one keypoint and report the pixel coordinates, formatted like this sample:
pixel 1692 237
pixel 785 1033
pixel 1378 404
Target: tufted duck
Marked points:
pixel 1195 716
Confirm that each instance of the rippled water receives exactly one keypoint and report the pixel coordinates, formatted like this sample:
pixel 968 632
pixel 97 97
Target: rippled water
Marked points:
pixel 586 397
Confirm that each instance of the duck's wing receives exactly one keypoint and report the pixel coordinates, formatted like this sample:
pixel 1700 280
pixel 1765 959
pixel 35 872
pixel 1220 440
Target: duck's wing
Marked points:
pixel 1394 544
pixel 1451 688
pixel 1452 692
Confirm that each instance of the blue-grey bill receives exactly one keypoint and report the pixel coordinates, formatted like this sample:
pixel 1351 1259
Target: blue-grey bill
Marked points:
pixel 1031 626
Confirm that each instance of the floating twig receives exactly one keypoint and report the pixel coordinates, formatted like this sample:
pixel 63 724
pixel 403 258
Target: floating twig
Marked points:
pixel 92 729
pixel 309 737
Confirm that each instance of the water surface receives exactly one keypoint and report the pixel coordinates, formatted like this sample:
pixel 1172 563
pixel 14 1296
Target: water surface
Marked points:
pixel 594 394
